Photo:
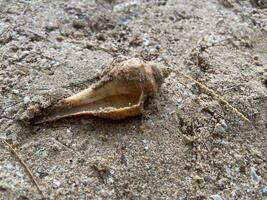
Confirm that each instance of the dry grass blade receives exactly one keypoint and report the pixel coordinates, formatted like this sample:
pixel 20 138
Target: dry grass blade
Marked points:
pixel 236 111
pixel 25 167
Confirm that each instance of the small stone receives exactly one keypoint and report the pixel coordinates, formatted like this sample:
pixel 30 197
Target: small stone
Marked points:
pixel 188 179
pixel 110 180
pixel 146 146
pixel 255 178
pixel 56 183
pixel 198 179
pixel 26 100
pixel 79 24
pixel 255 57
pixel 101 36
pixel 51 26
pixel 77 34
pixel 112 172
pixel 158 47
pixel 222 183
pixel 13 34
pixel 69 131
pixel 55 63
pixel 264 191
pixel 258 63
pixel 217 197
pixel 219 129
pixel 223 123
pixel 124 21
pixel 74 180
pixel 1 27
pixel 106 193
pixel 16 91
pixel 146 41
pixel 124 6
pixel 59 38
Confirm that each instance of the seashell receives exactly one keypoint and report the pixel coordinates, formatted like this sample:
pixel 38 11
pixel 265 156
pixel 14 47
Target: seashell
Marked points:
pixel 119 94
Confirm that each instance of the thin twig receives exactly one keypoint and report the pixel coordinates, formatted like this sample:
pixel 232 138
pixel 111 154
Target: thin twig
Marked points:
pixel 25 167
pixel 95 46
pixel 65 146
pixel 217 96
pixel 39 35
pixel 235 110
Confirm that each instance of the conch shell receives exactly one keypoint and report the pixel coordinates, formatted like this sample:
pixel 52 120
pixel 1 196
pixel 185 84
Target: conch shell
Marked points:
pixel 119 94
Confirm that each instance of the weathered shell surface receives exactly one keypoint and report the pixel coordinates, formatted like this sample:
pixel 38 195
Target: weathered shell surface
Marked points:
pixel 119 94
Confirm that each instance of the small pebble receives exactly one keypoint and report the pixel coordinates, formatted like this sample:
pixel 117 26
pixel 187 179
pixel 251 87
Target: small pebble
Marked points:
pixel 112 172
pixel 146 41
pixel 228 171
pixel 101 37
pixel 124 6
pixel 158 47
pixel 219 129
pixel 223 123
pixel 55 63
pixel 258 63
pixel 264 191
pixel 1 27
pixel 16 91
pixel 145 142
pixel 56 183
pixel 69 131
pixel 26 100
pixel 188 179
pixel 59 38
pixel 217 197
pixel 51 26
pixel 124 21
pixel 79 24
pixel 255 178
pixel 13 34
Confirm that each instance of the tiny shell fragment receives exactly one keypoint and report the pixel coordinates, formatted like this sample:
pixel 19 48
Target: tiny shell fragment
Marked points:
pixel 119 94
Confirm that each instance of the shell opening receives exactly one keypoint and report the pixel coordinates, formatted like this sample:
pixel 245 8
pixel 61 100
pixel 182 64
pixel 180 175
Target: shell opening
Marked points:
pixel 99 102
pixel 106 104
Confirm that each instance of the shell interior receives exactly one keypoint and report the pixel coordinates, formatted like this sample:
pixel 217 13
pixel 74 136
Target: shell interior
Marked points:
pixel 110 101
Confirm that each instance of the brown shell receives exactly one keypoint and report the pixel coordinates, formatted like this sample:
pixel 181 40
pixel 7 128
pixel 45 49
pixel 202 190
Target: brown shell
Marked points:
pixel 119 94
